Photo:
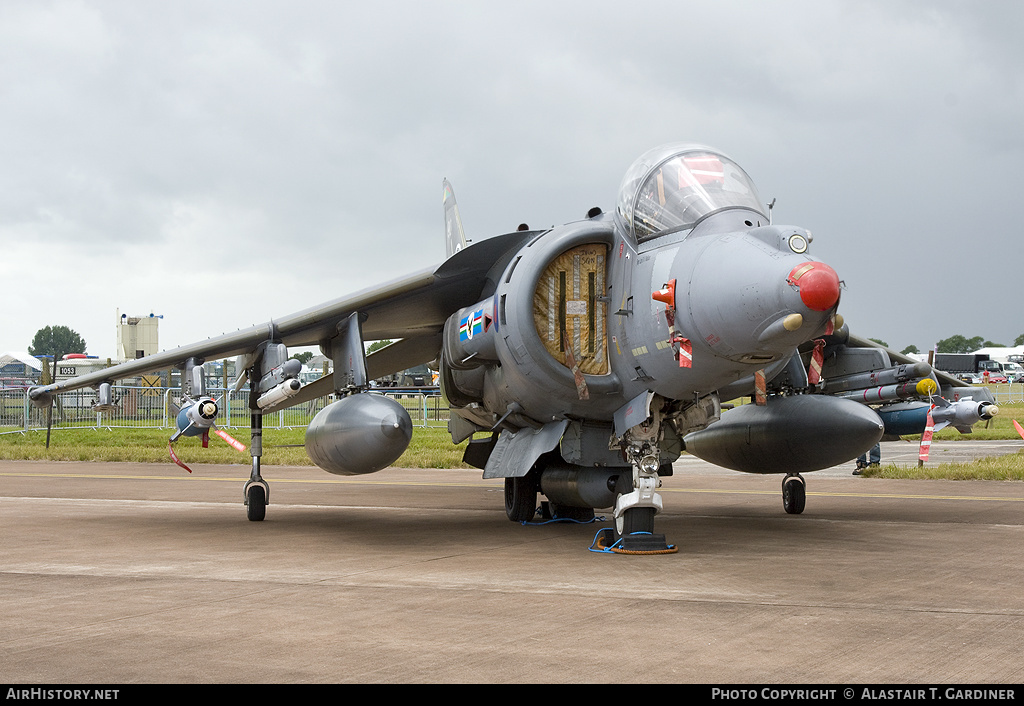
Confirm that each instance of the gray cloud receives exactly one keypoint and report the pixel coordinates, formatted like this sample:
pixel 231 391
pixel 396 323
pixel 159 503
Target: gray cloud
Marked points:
pixel 222 163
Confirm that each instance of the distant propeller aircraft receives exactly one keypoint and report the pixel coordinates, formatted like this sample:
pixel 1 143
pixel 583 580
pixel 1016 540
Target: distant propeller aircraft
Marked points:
pixel 582 360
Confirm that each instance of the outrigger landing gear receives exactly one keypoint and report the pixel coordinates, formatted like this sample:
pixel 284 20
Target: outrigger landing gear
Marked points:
pixel 794 493
pixel 256 500
pixel 256 493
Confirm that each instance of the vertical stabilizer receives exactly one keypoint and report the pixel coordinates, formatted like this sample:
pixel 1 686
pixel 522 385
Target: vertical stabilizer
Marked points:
pixel 454 236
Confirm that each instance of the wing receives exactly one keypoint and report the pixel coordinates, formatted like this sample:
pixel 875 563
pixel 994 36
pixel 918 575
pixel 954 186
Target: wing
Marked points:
pixel 413 308
pixel 944 379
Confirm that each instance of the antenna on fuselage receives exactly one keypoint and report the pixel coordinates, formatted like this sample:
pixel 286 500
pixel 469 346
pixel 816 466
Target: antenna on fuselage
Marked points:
pixel 770 207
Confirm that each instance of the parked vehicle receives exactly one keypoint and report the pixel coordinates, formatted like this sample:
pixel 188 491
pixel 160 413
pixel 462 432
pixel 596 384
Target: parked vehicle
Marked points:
pixel 958 363
pixel 1013 371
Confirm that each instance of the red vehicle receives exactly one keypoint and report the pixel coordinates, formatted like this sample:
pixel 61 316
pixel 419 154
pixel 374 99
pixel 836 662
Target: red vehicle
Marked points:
pixel 997 377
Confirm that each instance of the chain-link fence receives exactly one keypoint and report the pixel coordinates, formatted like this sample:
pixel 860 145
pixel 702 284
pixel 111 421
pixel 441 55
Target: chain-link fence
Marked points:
pixel 155 407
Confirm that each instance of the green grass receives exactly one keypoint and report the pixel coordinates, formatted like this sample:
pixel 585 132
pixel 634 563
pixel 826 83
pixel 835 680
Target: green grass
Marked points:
pixel 1000 427
pixel 1009 467
pixel 430 447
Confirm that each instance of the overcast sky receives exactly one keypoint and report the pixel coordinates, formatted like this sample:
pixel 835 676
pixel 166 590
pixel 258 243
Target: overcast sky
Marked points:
pixel 223 163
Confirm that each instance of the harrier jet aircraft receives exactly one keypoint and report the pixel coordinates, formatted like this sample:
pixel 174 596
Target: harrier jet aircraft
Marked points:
pixel 582 360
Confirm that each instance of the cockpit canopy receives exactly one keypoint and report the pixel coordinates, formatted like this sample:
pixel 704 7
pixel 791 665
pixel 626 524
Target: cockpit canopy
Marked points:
pixel 675 185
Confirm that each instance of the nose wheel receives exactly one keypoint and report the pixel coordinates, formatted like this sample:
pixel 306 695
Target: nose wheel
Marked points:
pixel 794 493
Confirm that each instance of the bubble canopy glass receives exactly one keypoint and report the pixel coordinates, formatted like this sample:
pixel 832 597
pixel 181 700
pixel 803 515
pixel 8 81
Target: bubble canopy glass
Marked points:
pixel 674 186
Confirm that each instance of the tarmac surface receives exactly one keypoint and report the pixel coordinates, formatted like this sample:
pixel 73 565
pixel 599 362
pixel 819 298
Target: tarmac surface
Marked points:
pixel 140 573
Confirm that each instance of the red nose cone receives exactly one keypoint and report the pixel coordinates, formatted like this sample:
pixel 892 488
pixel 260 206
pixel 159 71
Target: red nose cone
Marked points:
pixel 818 284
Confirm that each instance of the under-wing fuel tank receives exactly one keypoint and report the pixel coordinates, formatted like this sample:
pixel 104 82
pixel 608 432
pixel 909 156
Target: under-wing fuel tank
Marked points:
pixel 794 434
pixel 358 434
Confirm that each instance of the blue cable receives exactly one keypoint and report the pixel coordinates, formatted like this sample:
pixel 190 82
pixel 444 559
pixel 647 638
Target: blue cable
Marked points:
pixel 562 519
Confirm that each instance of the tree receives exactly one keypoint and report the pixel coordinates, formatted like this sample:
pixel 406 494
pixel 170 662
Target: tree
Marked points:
pixel 960 344
pixel 910 349
pixel 56 341
pixel 303 357
pixel 880 342
pixel 377 345
pixel 1019 341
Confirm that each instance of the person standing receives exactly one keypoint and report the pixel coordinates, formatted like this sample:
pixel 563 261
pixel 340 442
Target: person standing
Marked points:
pixel 871 459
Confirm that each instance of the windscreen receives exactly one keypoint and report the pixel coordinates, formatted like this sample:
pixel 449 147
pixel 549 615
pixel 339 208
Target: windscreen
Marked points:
pixel 679 189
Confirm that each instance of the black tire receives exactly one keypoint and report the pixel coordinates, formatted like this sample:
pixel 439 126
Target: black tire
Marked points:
pixel 256 507
pixel 638 519
pixel 520 499
pixel 794 495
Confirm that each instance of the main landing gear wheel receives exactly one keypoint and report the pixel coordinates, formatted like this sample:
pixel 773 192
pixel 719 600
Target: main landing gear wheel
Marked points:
pixel 520 498
pixel 256 503
pixel 794 494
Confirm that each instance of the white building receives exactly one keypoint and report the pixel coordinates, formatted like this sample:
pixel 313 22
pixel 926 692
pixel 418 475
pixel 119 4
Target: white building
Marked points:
pixel 137 336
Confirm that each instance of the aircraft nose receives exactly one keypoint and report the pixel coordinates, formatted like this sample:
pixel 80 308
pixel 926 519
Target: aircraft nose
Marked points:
pixel 818 285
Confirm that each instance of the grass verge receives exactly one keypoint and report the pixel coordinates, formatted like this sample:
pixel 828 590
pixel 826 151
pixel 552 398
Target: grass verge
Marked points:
pixel 1008 467
pixel 430 447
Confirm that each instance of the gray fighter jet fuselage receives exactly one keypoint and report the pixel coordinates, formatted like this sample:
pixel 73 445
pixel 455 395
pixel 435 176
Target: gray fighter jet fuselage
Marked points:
pixel 613 337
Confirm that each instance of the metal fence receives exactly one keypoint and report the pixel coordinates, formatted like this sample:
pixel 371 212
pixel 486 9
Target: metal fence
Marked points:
pixel 1008 393
pixel 149 407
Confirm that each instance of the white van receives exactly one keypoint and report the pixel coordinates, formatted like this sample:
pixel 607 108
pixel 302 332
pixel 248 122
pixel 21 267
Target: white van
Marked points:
pixel 1013 372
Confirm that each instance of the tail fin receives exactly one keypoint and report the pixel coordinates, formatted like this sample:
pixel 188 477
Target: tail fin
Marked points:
pixel 455 237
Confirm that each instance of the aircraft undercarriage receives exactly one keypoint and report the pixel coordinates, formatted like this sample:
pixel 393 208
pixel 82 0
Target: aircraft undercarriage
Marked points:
pixel 636 502
pixel 256 491
pixel 573 492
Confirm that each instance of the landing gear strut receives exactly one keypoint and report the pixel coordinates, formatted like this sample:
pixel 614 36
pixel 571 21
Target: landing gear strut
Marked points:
pixel 794 493
pixel 256 491
pixel 634 511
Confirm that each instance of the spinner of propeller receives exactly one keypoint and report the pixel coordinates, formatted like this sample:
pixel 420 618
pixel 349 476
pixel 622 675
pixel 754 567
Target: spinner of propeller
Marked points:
pixel 197 418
